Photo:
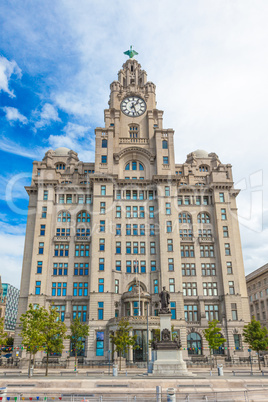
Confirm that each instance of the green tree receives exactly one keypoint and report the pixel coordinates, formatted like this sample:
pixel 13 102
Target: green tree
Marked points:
pixel 78 331
pixel 3 334
pixel 122 340
pixel 213 337
pixel 53 331
pixel 256 337
pixel 31 334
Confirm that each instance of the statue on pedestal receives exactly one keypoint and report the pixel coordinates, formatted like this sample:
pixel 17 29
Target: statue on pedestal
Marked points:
pixel 164 300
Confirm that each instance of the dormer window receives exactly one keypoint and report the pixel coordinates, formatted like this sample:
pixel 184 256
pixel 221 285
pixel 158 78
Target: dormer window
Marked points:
pixel 60 166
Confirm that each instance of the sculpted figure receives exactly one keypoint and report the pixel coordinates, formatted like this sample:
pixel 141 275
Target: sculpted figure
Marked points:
pixel 164 300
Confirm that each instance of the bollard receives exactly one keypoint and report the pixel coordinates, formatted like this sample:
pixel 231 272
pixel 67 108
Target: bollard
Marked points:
pixel 158 393
pixel 171 395
pixel 115 373
pixel 220 370
pixel 31 371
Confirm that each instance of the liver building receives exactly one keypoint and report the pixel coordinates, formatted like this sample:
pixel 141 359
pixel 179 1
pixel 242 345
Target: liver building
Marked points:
pixel 104 237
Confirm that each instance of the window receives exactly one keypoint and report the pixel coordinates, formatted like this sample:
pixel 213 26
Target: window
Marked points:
pixel 80 289
pixel 118 194
pixel 205 200
pixel 41 248
pixel 42 230
pixel 151 195
pixel 102 207
pixel 167 191
pixel 118 212
pixel 169 227
pixel 102 226
pixel 171 285
pixel 118 265
pixel 104 159
pixel 60 269
pixel 164 144
pixel 187 251
pixel 225 231
pixel 118 230
pixel 210 289
pixel 152 247
pixel 212 312
pixel 102 244
pixel 188 270
pixel 165 160
pixel 80 269
pixel 171 264
pixel 143 267
pixel 229 268
pixel 104 143
pixel 61 198
pixel 208 269
pixel 173 310
pixel 82 250
pixel 44 212
pixel 168 208
pixel 128 267
pixel 203 168
pixel 203 218
pixel 100 310
pixel 187 200
pixel 227 249
pixel 80 232
pixel 185 233
pixel 80 312
pixel 64 216
pixel 88 199
pixel 223 214
pixel 45 195
pixel 155 286
pixel 99 343
pixel 69 199
pixel 83 217
pixel 61 312
pixel 142 230
pixel 103 190
pixel 118 247
pixel 237 341
pixel 101 285
pixel 153 266
pixel 189 289
pixel 231 288
pixel 221 197
pixel 190 312
pixel 128 247
pixel 80 199
pixel 135 230
pixel 206 251
pixel 39 267
pixel 185 218
pixel 170 245
pixel 59 288
pixel 234 311
pixel 37 287
pixel 116 286
pixel 141 212
pixel 101 264
pixel 142 247
pixel 62 232
pixel 141 195
pixel 151 212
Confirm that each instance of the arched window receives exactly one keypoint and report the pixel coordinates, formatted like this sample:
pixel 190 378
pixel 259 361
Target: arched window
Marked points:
pixel 83 216
pixel 134 165
pixel 203 217
pixel 203 168
pixel 184 217
pixel 194 344
pixel 164 144
pixel 60 166
pixel 64 216
pixel 104 143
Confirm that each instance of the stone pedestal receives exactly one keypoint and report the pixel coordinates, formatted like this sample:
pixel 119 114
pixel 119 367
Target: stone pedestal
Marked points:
pixel 169 355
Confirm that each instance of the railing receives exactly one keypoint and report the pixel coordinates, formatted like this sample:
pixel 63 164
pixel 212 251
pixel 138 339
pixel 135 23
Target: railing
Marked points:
pixel 143 141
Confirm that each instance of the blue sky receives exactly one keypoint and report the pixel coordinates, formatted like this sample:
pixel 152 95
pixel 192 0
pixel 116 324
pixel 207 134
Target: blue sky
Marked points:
pixel 207 58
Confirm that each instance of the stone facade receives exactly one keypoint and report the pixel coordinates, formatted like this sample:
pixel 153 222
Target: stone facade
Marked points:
pixel 257 285
pixel 91 226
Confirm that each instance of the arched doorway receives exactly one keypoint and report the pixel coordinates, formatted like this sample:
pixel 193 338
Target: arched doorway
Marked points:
pixel 194 344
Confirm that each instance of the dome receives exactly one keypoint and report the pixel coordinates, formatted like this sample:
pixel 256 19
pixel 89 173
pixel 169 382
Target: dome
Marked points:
pixel 62 151
pixel 200 153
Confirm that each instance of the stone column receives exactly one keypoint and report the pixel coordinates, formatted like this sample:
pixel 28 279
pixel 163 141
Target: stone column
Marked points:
pixel 131 308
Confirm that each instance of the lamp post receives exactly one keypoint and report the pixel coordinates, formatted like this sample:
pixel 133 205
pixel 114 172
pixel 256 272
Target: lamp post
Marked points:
pixel 250 360
pixel 147 337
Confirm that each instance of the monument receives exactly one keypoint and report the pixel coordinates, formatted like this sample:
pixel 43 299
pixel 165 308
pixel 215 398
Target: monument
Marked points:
pixel 169 354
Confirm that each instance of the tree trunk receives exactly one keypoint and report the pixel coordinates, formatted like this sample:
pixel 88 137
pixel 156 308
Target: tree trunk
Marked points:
pixel 259 360
pixel 119 361
pixel 210 359
pixel 47 365
pixel 29 366
pixel 75 360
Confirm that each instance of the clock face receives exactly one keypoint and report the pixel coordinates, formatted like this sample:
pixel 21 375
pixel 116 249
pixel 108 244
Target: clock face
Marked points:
pixel 133 106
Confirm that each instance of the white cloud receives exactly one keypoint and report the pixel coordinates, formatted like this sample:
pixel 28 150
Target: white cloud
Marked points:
pixel 47 115
pixel 36 153
pixel 12 114
pixel 7 69
pixel 77 138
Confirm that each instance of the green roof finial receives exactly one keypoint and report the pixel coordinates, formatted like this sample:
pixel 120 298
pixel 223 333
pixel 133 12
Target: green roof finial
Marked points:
pixel 131 53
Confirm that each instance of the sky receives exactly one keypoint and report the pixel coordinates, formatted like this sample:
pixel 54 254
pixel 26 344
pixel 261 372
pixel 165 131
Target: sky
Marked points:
pixel 208 59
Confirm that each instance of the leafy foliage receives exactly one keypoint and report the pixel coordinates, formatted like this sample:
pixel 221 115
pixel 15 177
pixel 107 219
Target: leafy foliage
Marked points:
pixel 213 337
pixel 78 331
pixel 256 337
pixel 3 334
pixel 122 340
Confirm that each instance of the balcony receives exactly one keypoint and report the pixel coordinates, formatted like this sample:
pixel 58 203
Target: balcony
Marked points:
pixel 206 239
pixel 153 320
pixel 61 238
pixel 82 238
pixel 141 141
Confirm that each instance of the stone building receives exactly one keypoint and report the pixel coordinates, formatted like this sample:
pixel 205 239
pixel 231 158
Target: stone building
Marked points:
pixel 104 237
pixel 12 300
pixel 257 285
